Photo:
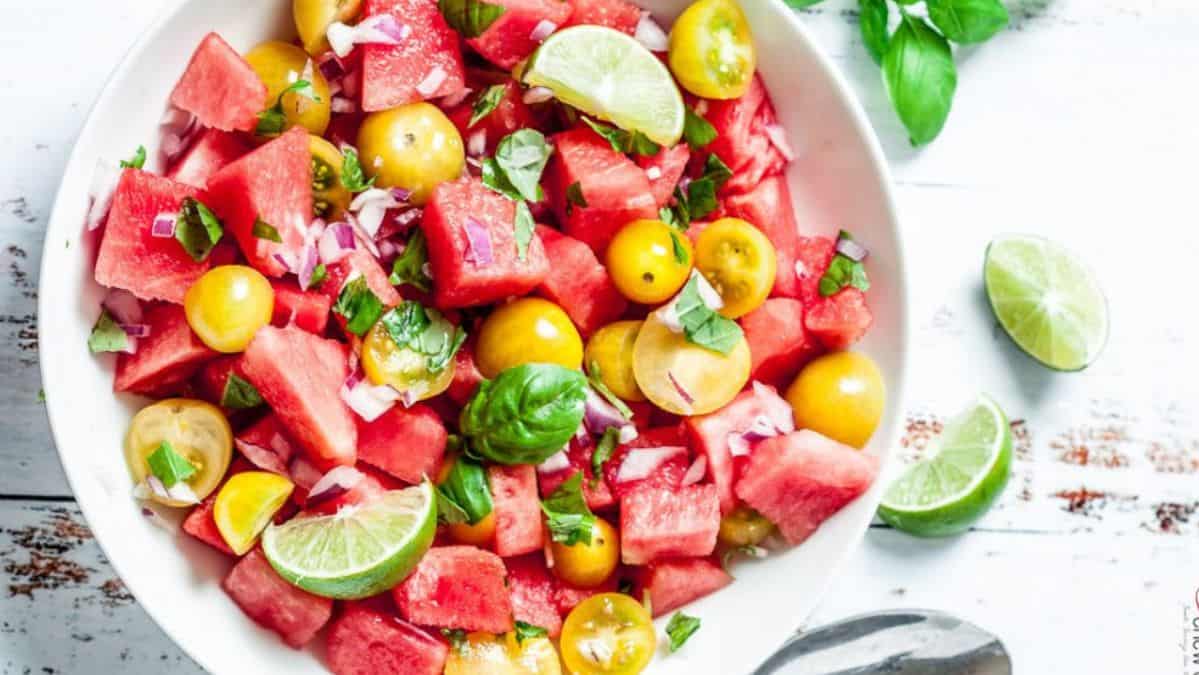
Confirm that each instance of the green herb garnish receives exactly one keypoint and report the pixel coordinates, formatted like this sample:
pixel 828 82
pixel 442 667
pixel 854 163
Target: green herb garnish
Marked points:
pixel 169 466
pixel 198 230
pixel 526 414
pixel 352 176
pixel 624 142
pixel 486 104
pixel 466 487
pixel 264 230
pixel 107 335
pixel 471 18
pixel 603 452
pixel 273 120
pixel 360 307
pixel 697 131
pixel 843 272
pixel 701 324
pixel 425 331
pixel 137 161
pixel 574 197
pixel 526 631
pixel 569 519
pixel 240 394
pixel 524 227
pixel 409 266
pixel 680 629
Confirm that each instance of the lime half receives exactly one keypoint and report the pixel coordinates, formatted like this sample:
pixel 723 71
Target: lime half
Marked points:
pixel 1047 301
pixel 361 551
pixel 963 476
pixel 608 74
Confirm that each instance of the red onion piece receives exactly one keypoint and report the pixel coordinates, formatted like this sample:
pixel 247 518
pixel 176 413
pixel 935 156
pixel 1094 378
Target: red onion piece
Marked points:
pixel 331 66
pixel 683 393
pixel 780 413
pixel 401 195
pixel 851 249
pixel 123 305
pixel 381 29
pixel 309 259
pixel 778 138
pixel 367 400
pixel 336 243
pixel 343 105
pixel 179 128
pixel 102 190
pixel 542 30
pixel 701 107
pixel 640 463
pixel 180 492
pixel 738 445
pixel 628 434
pixel 285 261
pixel 136 330
pixel 334 484
pixel 559 461
pixel 303 473
pixel 476 145
pixel 537 95
pixel 371 207
pixel 361 236
pixel 432 82
pixel 599 415
pixel 650 34
pixel 478 243
pixel 709 295
pixel 263 458
pixel 282 447
pixel 697 471
pixel 163 226
pixel 408 216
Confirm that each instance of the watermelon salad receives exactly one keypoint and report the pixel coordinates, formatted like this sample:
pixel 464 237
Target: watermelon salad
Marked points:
pixel 478 334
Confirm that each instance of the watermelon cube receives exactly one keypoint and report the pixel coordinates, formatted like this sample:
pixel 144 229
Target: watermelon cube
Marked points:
pixel 275 604
pixel 673 583
pixel 307 309
pixel 214 375
pixel 742 142
pixel 509 40
pixel 664 171
pixel 578 453
pixel 578 283
pixel 840 320
pixel 616 190
pixel 426 64
pixel 811 262
pixel 710 433
pixel 778 344
pixel 457 587
pixel 220 88
pixel 407 443
pixel 210 152
pixel 152 268
pixel 800 479
pixel 533 591
pixel 568 597
pixel 360 262
pixel 619 14
pixel 266 446
pixel 164 360
pixel 662 523
pixel 669 474
pixel 273 184
pixel 768 207
pixel 366 641
pixel 300 375
pixel 510 114
pixel 460 277
pixel 466 375
pixel 200 524
pixel 517 507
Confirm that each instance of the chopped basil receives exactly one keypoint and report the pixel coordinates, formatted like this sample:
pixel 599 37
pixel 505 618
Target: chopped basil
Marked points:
pixel 569 519
pixel 524 230
pixel 273 120
pixel 240 394
pixel 595 377
pixel 668 216
pixel 409 266
pixel 137 161
pixel 680 629
pixel 526 631
pixel 352 176
pixel 264 230
pixel 360 307
pixel 107 336
pixel 701 324
pixel 41 395
pixel 466 487
pixel 843 272
pixel 519 160
pixel 603 452
pixel 716 170
pixel 699 200
pixel 526 414
pixel 680 251
pixel 319 273
pixel 494 178
pixel 448 512
pixel 169 466
pixel 628 143
pixel 471 18
pixel 697 131
pixel 456 637
pixel 198 230
pixel 574 197
pixel 425 331
pixel 486 104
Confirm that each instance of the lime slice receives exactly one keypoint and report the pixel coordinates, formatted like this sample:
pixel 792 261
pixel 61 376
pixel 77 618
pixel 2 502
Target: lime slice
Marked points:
pixel 963 476
pixel 360 551
pixel 1047 301
pixel 608 74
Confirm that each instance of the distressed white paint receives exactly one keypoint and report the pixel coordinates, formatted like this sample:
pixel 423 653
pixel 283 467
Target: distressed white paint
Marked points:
pixel 1078 123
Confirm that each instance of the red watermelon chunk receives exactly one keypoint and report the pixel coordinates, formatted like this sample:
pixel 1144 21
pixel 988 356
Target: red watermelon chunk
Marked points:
pixel 266 446
pixel 598 495
pixel 510 114
pixel 214 376
pixel 466 375
pixel 459 278
pixel 811 262
pixel 616 190
pixel 669 474
pixel 371 486
pixel 275 604
pixel 517 507
pixel 778 344
pixel 152 268
pixel 299 375
pixel 365 641
pixel 210 152
pixel 619 14
pixel 407 443
pixel 360 262
pixel 457 587
pixel 710 433
pixel 164 360
pixel 200 524
pixel 568 597
pixel 673 583
pixel 534 593
pixel 768 207
pixel 509 40
pixel 307 309
pixel 663 522
pixel 742 142
pixel 578 283
pixel 220 88
pixel 840 320
pixel 274 184
pixel 664 171
pixel 426 65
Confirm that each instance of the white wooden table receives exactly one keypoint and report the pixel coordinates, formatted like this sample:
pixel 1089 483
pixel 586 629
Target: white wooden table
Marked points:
pixel 1079 123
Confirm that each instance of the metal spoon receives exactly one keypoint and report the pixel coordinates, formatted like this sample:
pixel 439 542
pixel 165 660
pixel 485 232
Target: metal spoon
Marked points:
pixel 899 642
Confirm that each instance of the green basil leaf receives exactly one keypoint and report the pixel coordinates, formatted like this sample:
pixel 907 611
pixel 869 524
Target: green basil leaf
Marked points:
pixel 680 251
pixel 668 216
pixel 623 141
pixel 138 160
pixel 456 637
pixel 353 178
pixel 595 378
pixel 574 197
pixel 872 20
pixel 701 199
pixel 319 274
pixel 409 266
pixel 272 121
pixel 264 230
pixel 169 466
pixel 843 272
pixel 495 179
pixel 697 131
pixel 801 4
pixel 438 362
pixel 701 324
pixel 525 414
pixel 920 77
pixel 522 156
pixel 425 331
pixel 524 226
pixel 968 21
pixel 240 394
pixel 466 485
pixel 406 324
pixel 603 452
pixel 107 335
pixel 716 170
pixel 360 307
pixel 680 629
pixel 525 631
pixel 471 18
pixel 568 518
pixel 198 230
pixel 448 512
pixel 486 104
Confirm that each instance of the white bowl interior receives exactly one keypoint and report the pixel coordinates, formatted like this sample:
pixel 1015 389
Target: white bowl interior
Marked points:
pixel 838 180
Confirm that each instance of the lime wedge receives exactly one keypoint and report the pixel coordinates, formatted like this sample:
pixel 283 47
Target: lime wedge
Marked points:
pixel 608 74
pixel 361 551
pixel 1047 301
pixel 962 477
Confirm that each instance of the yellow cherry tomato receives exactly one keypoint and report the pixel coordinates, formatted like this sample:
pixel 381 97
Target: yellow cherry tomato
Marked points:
pixel 738 260
pixel 227 305
pixel 330 198
pixel 608 634
pixel 414 147
pixel 840 395
pixel 404 368
pixel 610 350
pixel 196 430
pixel 711 50
pixel 588 565
pixel 280 65
pixel 480 534
pixel 529 330
pixel 313 18
pixel 744 527
pixel 487 654
pixel 649 261
pixel 684 378
pixel 245 506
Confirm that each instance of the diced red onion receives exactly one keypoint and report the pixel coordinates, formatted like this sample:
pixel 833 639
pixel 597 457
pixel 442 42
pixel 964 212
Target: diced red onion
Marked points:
pixel 476 145
pixel 640 463
pixel 780 413
pixel 738 445
pixel 653 173
pixel 536 95
pixel 400 194
pixel 282 447
pixel 628 434
pixel 331 66
pixel 334 88
pixel 542 30
pixel 367 400
pixel 303 473
pixel 650 34
pixel 123 306
pixel 455 98
pixel 103 188
pixel 696 472
pixel 381 29
pixel 581 435
pixel 285 261
pixel 179 127
pixel 180 492
pixel 361 236
pixel 334 484
pixel 336 243
pixel 559 461
pixel 669 316
pixel 427 270
pixel 371 206
pixel 684 183
pixel 851 249
pixel 387 249
pixel 408 216
pixel 309 259
pixel 351 84
pixel 432 82
pixel 683 393
pixel 163 226
pixel 263 458
pixel 478 243
pixel 411 396
pixel 599 415
pixel 343 105
pixel 137 330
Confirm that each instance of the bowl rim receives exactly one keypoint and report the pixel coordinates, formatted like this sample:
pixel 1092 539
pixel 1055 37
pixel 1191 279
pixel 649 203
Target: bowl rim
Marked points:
pixel 862 128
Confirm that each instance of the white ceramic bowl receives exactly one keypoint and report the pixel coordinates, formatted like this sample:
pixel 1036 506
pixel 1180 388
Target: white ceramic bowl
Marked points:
pixel 839 180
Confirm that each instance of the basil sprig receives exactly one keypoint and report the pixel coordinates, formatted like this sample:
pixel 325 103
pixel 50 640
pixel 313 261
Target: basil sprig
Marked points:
pixel 353 178
pixel 569 519
pixel 240 394
pixel 107 335
pixel 486 104
pixel 701 324
pixel 699 199
pixel 466 488
pixel 625 142
pixel 526 414
pixel 197 229
pixel 138 160
pixel 169 466
pixel 425 331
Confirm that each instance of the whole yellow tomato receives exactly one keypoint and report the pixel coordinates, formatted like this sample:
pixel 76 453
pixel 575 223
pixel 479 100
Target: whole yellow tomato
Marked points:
pixel 840 395
pixel 529 330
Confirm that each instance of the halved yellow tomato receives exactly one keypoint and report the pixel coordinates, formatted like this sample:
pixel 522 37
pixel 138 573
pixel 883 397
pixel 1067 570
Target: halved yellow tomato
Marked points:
pixel 588 565
pixel 711 50
pixel 403 368
pixel 738 260
pixel 529 330
pixel 608 634
pixel 487 654
pixel 245 506
pixel 280 65
pixel 610 349
pixel 330 198
pixel 684 378
pixel 196 430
